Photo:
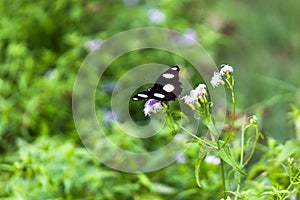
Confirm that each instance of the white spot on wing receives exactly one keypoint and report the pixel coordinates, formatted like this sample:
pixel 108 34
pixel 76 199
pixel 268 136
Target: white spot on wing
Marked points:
pixel 174 68
pixel 142 95
pixel 135 99
pixel 168 88
pixel 158 95
pixel 168 75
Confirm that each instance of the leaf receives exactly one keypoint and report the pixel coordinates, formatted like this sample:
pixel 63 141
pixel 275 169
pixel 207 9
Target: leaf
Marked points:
pixel 162 188
pixel 144 180
pixel 288 149
pixel 198 163
pixel 178 113
pixel 208 122
pixel 226 155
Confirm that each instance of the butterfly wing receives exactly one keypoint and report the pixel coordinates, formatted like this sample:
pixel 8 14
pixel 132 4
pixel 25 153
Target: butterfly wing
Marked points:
pixel 166 88
pixel 142 96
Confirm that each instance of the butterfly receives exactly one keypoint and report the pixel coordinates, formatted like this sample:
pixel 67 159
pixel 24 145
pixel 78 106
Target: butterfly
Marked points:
pixel 166 88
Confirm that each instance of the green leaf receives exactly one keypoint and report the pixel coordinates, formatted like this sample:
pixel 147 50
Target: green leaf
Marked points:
pixel 162 188
pixel 288 149
pixel 178 113
pixel 198 163
pixel 226 155
pixel 144 180
pixel 208 122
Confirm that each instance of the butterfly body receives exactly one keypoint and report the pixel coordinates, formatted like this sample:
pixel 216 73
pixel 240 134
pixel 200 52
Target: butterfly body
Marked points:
pixel 166 88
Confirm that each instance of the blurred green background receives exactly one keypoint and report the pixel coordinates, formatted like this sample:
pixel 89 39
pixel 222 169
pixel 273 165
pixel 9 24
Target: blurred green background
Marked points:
pixel 43 43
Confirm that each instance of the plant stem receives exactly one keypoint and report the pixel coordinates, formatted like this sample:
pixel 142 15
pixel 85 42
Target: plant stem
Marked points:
pixel 233 116
pixel 222 174
pixel 169 118
pixel 233 110
pixel 241 161
pixel 196 137
pixel 290 185
pixel 254 145
pixel 192 134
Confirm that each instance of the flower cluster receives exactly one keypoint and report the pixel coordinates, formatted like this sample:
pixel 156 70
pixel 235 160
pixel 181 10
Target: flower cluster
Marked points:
pixel 199 93
pixel 226 70
pixel 216 79
pixel 152 106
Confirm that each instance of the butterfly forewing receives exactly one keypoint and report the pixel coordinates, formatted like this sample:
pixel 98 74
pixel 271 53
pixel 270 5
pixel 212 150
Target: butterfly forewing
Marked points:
pixel 141 96
pixel 166 88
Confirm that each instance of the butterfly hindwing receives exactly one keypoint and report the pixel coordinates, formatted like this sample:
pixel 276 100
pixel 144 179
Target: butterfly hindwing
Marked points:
pixel 166 88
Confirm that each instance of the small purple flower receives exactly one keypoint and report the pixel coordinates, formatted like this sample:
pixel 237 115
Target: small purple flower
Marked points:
pixel 109 116
pixel 93 45
pixel 51 74
pixel 294 197
pixel 152 106
pixel 191 37
pixel 180 158
pixel 156 16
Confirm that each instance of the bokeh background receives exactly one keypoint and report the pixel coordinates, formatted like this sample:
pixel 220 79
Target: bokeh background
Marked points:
pixel 42 45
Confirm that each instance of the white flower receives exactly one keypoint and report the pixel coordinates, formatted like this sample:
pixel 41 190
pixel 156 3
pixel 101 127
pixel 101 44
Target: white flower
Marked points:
pixel 216 79
pixel 193 97
pixel 156 16
pixel 226 69
pixel 152 106
pixel 213 160
pixel 201 90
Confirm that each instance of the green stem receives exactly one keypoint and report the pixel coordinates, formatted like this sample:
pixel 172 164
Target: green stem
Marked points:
pixel 241 161
pixel 222 174
pixel 254 145
pixel 169 118
pixel 290 186
pixel 233 110
pixel 233 117
pixel 192 134
pixel 201 140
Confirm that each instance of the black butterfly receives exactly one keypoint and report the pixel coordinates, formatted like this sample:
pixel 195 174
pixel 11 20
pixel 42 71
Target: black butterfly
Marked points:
pixel 166 88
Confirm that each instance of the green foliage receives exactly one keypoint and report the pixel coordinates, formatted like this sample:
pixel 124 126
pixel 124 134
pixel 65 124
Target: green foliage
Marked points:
pixel 42 45
pixel 40 52
pixel 53 168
